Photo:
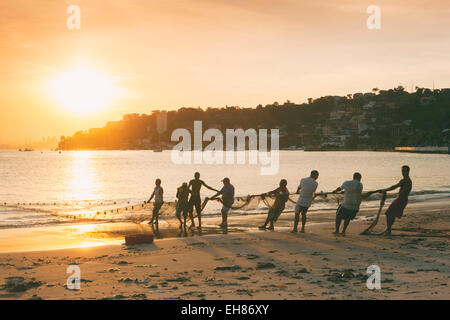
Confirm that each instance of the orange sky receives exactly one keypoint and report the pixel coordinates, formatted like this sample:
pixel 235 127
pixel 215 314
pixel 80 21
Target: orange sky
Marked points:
pixel 168 54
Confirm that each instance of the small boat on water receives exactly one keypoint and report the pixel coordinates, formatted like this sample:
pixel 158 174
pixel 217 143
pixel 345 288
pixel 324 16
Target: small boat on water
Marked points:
pixel 26 150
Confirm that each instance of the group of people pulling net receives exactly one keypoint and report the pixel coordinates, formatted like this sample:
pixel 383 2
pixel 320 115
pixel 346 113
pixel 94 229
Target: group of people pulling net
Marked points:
pixel 348 196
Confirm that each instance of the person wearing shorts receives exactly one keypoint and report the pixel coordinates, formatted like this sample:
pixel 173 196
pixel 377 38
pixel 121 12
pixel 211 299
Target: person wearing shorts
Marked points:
pixel 195 201
pixel 352 199
pixel 227 193
pixel 158 193
pixel 307 188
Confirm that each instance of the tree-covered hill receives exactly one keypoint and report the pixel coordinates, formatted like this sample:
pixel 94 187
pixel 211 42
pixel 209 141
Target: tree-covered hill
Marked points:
pixel 381 119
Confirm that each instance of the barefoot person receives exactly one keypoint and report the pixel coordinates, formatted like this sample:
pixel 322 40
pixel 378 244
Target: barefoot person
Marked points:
pixel 158 195
pixel 352 199
pixel 306 189
pixel 281 197
pixel 397 206
pixel 195 201
pixel 182 203
pixel 227 193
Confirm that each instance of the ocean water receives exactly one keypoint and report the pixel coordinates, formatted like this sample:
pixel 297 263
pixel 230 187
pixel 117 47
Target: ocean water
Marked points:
pixel 36 186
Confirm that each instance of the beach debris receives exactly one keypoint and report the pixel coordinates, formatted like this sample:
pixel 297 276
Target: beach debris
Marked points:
pixel 197 244
pixel 249 256
pixel 224 284
pixel 339 275
pixel 230 268
pixel 219 258
pixel 138 239
pixel 126 280
pixel 147 266
pixel 86 280
pixel 122 263
pixel 116 297
pixel 283 273
pixel 244 291
pixel 24 268
pixel 141 281
pixel 302 270
pixel 7 265
pixel 19 284
pixel 265 265
pixel 179 279
pixel 428 270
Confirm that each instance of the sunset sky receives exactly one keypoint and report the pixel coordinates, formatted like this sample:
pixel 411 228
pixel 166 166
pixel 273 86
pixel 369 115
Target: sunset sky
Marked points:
pixel 148 54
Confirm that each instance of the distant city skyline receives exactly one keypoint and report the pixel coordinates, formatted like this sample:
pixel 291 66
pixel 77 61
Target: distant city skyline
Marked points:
pixel 145 55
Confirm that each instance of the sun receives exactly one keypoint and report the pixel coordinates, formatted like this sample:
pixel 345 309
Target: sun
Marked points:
pixel 83 90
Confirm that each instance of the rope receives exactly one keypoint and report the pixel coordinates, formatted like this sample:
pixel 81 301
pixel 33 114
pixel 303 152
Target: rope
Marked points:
pixel 141 211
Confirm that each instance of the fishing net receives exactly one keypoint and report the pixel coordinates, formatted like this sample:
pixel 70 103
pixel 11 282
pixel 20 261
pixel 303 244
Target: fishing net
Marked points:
pixel 140 212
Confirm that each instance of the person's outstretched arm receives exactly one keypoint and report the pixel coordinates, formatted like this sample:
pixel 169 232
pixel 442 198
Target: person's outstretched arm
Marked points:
pixel 217 194
pixel 395 186
pixel 210 188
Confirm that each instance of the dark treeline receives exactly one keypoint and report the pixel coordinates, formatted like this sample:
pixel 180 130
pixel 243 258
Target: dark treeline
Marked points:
pixel 381 119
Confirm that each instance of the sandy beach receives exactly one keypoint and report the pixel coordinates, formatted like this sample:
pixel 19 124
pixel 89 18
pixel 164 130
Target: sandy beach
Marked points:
pixel 414 263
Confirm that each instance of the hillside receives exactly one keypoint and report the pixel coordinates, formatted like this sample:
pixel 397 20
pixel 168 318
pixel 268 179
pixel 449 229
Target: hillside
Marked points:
pixel 381 119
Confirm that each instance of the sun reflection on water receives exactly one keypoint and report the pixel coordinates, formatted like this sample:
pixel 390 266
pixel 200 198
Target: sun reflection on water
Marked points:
pixel 84 183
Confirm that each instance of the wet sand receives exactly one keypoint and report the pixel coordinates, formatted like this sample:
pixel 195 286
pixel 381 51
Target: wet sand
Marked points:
pixel 245 263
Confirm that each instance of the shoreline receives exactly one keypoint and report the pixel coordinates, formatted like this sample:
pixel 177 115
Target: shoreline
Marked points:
pixel 281 149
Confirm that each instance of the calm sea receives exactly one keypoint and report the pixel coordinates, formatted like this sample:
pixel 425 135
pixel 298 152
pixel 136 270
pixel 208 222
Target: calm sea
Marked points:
pixel 35 185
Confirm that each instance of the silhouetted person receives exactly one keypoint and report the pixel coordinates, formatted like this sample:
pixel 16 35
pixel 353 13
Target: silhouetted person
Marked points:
pixel 182 203
pixel 195 201
pixel 281 197
pixel 352 199
pixel 306 189
pixel 158 195
pixel 397 206
pixel 227 193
